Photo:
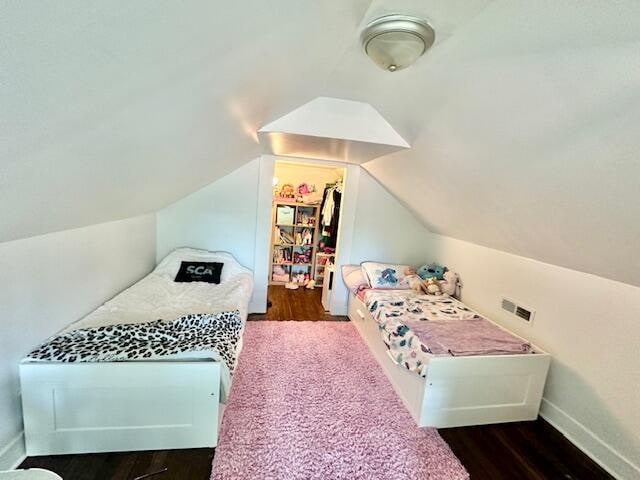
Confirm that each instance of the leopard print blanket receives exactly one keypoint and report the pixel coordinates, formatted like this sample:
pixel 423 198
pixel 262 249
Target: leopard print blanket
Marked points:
pixel 215 333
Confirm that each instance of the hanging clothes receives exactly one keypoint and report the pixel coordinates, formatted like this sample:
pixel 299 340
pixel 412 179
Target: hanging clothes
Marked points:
pixel 327 207
pixel 330 212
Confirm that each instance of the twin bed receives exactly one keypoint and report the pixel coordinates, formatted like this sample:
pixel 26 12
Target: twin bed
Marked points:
pixel 450 366
pixel 148 370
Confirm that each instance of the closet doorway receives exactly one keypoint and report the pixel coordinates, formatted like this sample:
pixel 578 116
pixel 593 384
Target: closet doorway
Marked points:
pixel 305 217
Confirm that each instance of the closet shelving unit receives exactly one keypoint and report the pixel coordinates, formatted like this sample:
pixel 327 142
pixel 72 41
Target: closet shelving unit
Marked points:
pixel 322 260
pixel 283 253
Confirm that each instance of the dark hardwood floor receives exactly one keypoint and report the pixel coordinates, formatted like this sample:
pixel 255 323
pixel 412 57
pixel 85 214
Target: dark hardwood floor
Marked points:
pixel 300 304
pixel 515 451
pixel 523 450
pixel 193 464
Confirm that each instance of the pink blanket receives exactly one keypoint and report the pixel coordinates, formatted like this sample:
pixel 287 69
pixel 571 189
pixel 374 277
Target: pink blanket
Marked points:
pixel 467 337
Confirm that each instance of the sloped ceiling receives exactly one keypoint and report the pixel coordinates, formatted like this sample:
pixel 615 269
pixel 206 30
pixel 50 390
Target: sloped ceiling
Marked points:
pixel 524 116
pixel 525 131
pixel 114 108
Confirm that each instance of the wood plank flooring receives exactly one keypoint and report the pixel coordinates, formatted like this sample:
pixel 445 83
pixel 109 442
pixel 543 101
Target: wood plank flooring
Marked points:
pixel 300 304
pixel 523 450
pixel 516 451
pixel 193 464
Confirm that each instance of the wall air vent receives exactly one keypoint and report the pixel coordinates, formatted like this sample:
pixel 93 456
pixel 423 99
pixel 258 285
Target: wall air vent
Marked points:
pixel 524 313
pixel 508 305
pixel 517 310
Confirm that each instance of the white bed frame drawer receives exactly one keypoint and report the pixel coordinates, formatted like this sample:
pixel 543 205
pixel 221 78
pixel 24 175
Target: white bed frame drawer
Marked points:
pixel 101 407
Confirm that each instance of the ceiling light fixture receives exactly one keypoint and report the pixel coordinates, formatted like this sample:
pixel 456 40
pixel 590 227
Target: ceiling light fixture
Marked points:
pixel 395 42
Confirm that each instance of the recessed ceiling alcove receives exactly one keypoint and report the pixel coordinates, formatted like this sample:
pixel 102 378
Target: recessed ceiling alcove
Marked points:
pixel 332 129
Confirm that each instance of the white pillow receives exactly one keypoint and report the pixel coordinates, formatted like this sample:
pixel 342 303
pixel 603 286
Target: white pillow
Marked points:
pixel 169 266
pixel 386 275
pixel 354 277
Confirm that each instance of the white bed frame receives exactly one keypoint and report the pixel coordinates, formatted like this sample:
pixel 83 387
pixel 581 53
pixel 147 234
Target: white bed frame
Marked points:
pixel 120 406
pixel 461 391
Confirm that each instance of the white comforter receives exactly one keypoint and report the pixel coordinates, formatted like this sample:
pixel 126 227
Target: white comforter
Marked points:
pixel 157 296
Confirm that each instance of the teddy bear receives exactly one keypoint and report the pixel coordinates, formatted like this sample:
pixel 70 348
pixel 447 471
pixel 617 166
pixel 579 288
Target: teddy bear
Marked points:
pixel 432 286
pixel 431 270
pixel 287 191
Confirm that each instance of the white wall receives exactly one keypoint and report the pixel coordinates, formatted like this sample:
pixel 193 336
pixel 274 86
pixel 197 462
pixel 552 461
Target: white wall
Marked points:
pixel 51 280
pixel 374 226
pixel 220 216
pixel 224 216
pixel 591 326
pixel 384 229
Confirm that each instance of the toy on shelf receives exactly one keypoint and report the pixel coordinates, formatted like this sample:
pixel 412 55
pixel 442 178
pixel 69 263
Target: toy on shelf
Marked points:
pixel 302 256
pixel 303 189
pixel 287 191
pixel 299 278
pixel 305 219
pixel 281 255
pixel 279 274
pixel 308 193
pixel 307 238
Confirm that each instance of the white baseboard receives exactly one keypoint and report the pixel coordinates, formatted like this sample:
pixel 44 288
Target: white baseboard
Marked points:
pixel 600 452
pixel 257 307
pixel 13 454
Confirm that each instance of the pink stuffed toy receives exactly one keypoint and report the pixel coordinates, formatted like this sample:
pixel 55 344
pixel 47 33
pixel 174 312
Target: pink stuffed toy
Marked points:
pixel 450 283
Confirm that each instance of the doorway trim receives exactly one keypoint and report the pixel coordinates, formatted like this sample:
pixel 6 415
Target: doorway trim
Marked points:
pixel 262 255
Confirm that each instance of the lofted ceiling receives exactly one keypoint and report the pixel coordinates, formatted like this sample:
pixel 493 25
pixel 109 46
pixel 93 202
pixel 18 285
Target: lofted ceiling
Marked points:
pixel 523 118
pixel 525 131
pixel 111 109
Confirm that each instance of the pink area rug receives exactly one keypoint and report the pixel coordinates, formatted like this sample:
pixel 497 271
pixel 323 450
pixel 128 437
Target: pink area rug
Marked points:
pixel 310 402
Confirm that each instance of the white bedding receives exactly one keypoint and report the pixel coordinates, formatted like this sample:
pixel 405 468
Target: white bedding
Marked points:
pixel 157 296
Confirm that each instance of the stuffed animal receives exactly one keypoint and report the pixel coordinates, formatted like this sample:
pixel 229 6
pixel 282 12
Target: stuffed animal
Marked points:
pixel 450 283
pixel 431 270
pixel 414 281
pixel 432 286
pixel 307 238
pixel 287 191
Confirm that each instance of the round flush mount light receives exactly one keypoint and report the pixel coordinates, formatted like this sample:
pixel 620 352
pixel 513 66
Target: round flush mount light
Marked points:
pixel 395 42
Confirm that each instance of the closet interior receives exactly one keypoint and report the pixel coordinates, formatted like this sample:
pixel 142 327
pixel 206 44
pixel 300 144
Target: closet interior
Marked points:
pixel 305 219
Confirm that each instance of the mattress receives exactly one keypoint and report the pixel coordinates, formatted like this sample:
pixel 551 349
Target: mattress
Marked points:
pixel 415 327
pixel 157 296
